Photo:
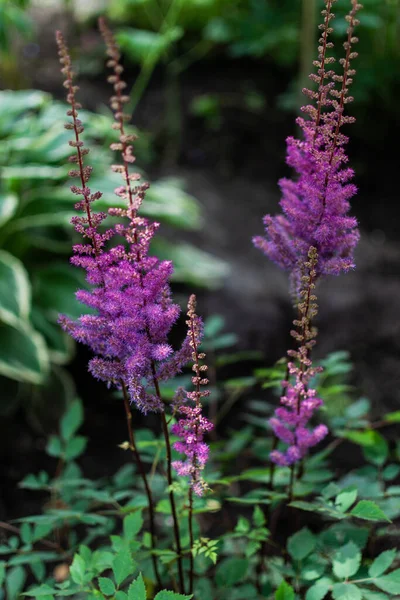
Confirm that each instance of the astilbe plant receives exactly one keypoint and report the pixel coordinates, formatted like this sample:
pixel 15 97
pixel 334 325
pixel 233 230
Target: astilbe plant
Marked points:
pixel 130 298
pixel 314 236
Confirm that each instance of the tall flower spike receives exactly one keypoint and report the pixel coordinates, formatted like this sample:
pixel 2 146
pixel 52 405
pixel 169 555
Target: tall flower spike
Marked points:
pixel 316 205
pixel 192 427
pixel 299 402
pixel 130 295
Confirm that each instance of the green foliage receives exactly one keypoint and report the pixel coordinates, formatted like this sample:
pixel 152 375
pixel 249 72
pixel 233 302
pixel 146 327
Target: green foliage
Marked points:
pixel 36 237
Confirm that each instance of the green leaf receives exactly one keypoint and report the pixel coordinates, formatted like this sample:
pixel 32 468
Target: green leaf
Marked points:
pixel 8 207
pixel 301 544
pixel 77 570
pixel 318 591
pixel 137 589
pixel 378 453
pixel 71 420
pixel 346 591
pixel 145 46
pixel 75 447
pixel 258 517
pixel 346 561
pixel 15 289
pixel 231 571
pixel 369 595
pixel 284 592
pixel 23 353
pixel 368 510
pixel 393 417
pixel 122 565
pixel 133 524
pixel 382 563
pixel 166 595
pixel 389 583
pixel 346 498
pixel 54 447
pixel 15 582
pixel 107 586
pixel 2 572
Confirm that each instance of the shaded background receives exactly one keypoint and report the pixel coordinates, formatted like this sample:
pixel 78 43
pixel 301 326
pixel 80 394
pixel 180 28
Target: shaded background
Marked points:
pixel 215 88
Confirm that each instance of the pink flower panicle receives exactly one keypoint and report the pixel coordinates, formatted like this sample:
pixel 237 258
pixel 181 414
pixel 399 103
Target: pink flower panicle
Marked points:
pixel 193 425
pixel 316 205
pixel 299 402
pixel 129 289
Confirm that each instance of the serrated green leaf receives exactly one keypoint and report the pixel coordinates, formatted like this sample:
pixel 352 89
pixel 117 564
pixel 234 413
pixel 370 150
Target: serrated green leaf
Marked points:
pixel 284 592
pixel 122 565
pixel 107 586
pixel 389 583
pixel 369 595
pixel 346 498
pixel 77 569
pixel 258 517
pixel 368 510
pixel 15 582
pixel 167 595
pixel 71 420
pixel 230 571
pixel 137 589
pixel 382 563
pixel 75 447
pixel 346 561
pixel 301 544
pixel 54 447
pixel 318 591
pixel 133 524
pixel 346 591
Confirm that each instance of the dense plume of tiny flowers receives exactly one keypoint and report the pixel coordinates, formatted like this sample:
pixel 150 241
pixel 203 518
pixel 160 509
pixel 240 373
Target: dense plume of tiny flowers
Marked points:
pixel 129 289
pixel 299 402
pixel 316 204
pixel 192 426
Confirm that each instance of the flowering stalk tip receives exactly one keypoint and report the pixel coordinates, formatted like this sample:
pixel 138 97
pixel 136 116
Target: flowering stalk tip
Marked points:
pixel 193 425
pixel 316 204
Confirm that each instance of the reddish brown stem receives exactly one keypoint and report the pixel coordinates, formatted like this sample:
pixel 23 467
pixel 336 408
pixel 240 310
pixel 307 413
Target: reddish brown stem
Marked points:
pixel 143 475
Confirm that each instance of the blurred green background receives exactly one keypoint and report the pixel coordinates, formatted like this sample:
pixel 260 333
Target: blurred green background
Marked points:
pixel 215 86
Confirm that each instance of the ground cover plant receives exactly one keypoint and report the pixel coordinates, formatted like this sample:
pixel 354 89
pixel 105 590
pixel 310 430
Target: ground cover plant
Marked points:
pixel 266 512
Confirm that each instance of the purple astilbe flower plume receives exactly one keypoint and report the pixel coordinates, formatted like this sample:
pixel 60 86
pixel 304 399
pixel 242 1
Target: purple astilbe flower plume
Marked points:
pixel 299 401
pixel 316 204
pixel 130 293
pixel 192 426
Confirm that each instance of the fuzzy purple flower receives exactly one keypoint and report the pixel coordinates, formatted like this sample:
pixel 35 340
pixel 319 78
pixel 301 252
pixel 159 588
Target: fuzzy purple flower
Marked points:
pixel 299 401
pixel 192 426
pixel 129 289
pixel 316 205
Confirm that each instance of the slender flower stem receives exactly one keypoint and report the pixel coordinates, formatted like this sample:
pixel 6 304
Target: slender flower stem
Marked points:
pixel 143 475
pixel 172 502
pixel 191 541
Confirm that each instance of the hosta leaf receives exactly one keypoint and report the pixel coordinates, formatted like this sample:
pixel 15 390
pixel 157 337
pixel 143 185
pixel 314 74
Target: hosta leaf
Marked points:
pixel 8 207
pixel 23 353
pixel 15 289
